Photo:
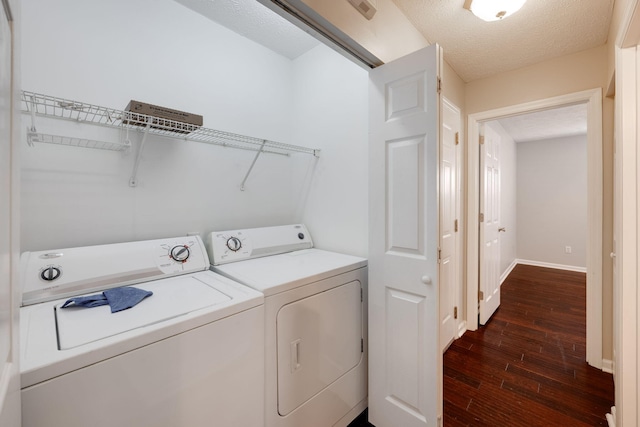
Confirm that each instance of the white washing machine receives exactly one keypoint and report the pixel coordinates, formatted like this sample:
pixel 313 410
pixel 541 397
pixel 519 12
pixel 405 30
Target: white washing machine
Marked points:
pixel 192 354
pixel 315 322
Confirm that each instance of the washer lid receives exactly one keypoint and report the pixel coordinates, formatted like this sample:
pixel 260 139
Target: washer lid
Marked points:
pixel 279 273
pixel 171 298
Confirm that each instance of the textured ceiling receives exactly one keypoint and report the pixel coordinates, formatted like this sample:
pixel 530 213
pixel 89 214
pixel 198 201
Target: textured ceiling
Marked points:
pixel 541 30
pixel 255 22
pixel 555 123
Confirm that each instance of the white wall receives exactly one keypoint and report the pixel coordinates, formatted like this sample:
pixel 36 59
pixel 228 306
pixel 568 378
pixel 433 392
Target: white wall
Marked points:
pixel 331 111
pixel 158 52
pixel 163 53
pixel 508 215
pixel 552 200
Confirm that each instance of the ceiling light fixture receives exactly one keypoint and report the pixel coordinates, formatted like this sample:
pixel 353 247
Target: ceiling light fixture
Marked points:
pixel 493 10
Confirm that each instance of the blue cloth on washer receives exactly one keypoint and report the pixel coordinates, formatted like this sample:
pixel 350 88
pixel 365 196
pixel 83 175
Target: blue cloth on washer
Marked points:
pixel 86 301
pixel 118 299
pixel 125 297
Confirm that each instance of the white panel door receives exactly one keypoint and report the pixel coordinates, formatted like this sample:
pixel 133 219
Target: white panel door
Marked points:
pixel 448 277
pixel 405 361
pixel 489 224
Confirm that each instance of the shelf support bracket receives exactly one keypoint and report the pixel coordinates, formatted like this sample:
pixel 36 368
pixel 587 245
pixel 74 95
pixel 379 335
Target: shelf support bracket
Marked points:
pixel 252 165
pixel 133 182
pixel 31 131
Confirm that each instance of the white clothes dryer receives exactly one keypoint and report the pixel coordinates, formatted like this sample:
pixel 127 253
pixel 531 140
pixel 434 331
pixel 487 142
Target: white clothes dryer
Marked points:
pixel 315 322
pixel 192 354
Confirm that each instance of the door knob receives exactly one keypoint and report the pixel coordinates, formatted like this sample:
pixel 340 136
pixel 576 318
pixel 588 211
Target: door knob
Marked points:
pixel 426 280
pixel 502 229
pixel 612 255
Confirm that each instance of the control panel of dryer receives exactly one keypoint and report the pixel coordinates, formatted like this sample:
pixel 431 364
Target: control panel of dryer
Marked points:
pixel 238 245
pixel 48 275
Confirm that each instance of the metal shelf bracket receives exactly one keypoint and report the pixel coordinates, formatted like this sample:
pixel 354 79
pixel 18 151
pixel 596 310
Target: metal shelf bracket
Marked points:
pixel 133 181
pixel 32 130
pixel 244 181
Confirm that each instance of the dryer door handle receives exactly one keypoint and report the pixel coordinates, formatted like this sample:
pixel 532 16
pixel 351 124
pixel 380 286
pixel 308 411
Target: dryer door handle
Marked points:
pixel 295 355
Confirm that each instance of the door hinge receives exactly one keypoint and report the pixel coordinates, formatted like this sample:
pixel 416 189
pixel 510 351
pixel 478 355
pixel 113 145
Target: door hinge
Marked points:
pixel 455 226
pixel 481 217
pixel 480 296
pixel 481 139
pixel 457 138
pixel 361 345
pixel 439 255
pixel 439 84
pixel 455 312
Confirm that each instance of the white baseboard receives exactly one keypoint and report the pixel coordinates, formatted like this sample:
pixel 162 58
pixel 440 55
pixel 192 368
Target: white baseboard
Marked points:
pixel 552 265
pixel 611 418
pixel 607 366
pixel 508 271
pixel 462 328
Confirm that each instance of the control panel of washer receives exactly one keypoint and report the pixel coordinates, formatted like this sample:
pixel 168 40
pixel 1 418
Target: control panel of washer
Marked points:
pixel 237 245
pixel 47 275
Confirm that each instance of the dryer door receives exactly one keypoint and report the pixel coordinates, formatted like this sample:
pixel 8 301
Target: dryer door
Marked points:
pixel 319 340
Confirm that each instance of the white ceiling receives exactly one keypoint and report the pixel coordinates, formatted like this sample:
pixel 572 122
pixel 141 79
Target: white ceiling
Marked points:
pixel 556 123
pixel 541 30
pixel 255 22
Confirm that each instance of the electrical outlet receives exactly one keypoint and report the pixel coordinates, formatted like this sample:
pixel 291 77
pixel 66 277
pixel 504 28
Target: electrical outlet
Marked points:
pixel 567 249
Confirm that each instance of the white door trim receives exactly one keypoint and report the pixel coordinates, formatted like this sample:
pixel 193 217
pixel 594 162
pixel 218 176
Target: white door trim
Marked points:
pixel 626 296
pixel 593 99
pixel 626 301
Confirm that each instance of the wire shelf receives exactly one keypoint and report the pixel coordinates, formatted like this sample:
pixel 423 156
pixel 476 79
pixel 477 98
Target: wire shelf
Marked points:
pixel 50 106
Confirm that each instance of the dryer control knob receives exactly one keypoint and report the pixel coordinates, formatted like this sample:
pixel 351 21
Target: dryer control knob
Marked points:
pixel 234 244
pixel 180 253
pixel 50 273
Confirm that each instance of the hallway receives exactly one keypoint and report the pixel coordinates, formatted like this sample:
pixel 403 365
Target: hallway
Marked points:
pixel 527 366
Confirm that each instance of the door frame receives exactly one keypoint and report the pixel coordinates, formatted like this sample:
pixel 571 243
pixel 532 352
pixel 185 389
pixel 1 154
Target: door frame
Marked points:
pixel 593 99
pixel 626 299
pixel 626 302
pixel 10 407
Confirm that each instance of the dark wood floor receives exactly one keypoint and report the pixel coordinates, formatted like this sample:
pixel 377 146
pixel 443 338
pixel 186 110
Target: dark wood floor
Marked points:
pixel 527 366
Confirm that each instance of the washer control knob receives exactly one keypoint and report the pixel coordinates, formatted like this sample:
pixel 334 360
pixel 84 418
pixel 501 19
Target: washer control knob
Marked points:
pixel 180 253
pixel 234 244
pixel 50 273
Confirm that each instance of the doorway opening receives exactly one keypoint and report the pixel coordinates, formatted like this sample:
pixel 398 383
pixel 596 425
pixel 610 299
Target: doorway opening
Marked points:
pixel 593 101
